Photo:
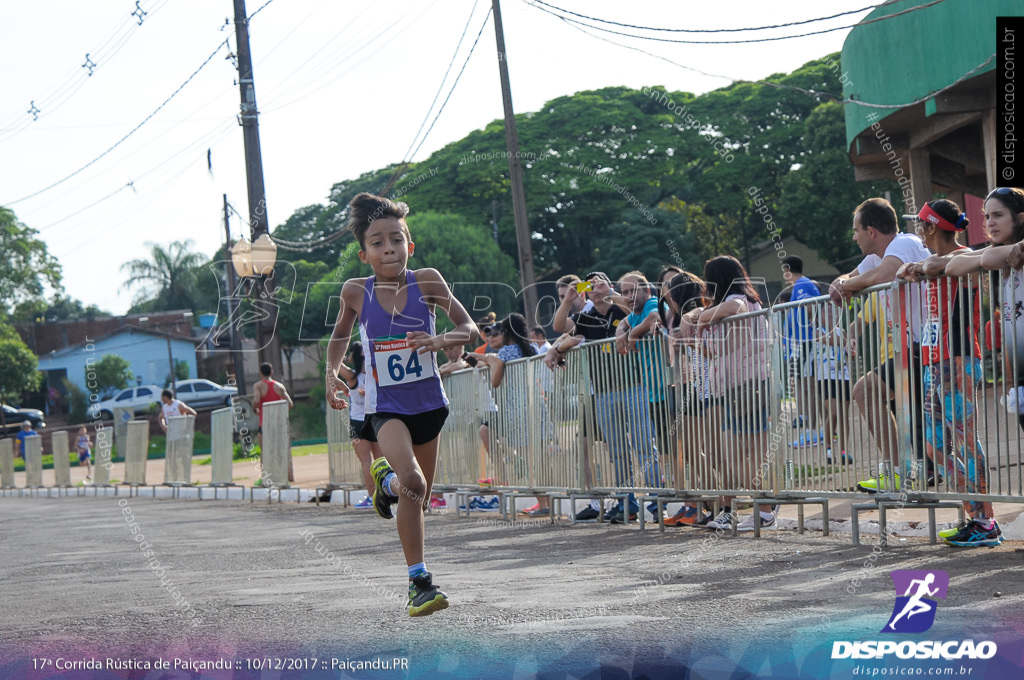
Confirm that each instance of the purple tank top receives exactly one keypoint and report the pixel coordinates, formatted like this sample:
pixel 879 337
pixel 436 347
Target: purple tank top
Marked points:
pixel 401 380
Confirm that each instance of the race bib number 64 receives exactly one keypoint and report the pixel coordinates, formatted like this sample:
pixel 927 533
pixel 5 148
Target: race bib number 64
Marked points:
pixel 398 363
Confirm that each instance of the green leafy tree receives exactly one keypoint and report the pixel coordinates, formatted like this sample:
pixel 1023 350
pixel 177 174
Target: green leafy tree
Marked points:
pixel 166 280
pixel 60 308
pixel 18 369
pixel 110 373
pixel 26 267
pixel 816 199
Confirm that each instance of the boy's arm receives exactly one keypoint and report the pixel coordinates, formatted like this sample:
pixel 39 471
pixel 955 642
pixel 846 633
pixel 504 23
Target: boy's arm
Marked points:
pixel 436 292
pixel 185 410
pixel 337 346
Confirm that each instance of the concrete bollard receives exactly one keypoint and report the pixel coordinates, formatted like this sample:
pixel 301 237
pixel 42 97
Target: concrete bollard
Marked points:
pixel 136 447
pixel 33 462
pixel 122 416
pixel 277 449
pixel 178 456
pixel 61 464
pixel 6 463
pixel 222 450
pixel 102 460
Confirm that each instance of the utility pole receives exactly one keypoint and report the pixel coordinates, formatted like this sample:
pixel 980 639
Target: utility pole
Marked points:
pixel 237 358
pixel 515 171
pixel 258 222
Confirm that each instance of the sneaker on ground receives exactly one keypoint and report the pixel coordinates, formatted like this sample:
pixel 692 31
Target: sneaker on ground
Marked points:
pixel 489 505
pixel 686 516
pixel 486 481
pixel 879 483
pixel 530 509
pixel 619 517
pixel 766 523
pixel 722 521
pixel 367 502
pixel 438 503
pixel 382 500
pixel 953 531
pixel 539 512
pixel 587 514
pixel 424 597
pixel 976 534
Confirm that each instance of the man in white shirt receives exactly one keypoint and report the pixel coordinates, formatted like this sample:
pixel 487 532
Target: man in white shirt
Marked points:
pixel 170 407
pixel 886 250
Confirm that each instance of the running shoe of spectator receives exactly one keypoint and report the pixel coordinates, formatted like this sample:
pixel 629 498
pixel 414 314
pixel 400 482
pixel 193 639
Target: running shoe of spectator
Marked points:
pixel 486 481
pixel 879 483
pixel 587 514
pixel 766 522
pixel 539 512
pixel 688 516
pixel 490 505
pixel 978 532
pixel 953 531
pixel 530 509
pixel 438 503
pixel 367 502
pixel 721 521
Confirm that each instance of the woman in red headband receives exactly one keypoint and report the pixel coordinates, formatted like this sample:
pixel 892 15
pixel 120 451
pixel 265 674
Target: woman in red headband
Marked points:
pixel 959 367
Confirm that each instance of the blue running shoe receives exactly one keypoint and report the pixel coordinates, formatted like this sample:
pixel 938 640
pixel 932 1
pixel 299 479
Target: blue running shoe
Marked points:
pixel 367 502
pixel 490 505
pixel 976 534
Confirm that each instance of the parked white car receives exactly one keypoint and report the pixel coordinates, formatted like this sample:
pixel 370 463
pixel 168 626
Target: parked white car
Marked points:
pixel 199 393
pixel 139 399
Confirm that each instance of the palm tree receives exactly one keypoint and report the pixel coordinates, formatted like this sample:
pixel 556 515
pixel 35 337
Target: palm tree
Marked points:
pixel 166 280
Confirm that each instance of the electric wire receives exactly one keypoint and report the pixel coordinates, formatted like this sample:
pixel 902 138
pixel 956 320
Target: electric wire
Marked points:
pixel 707 30
pixel 130 133
pixel 533 3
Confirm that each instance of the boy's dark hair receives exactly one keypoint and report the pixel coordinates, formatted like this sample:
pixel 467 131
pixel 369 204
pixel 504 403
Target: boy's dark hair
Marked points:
pixel 367 207
pixel 168 394
pixel 877 213
pixel 794 263
pixel 567 280
pixel 266 369
pixel 538 330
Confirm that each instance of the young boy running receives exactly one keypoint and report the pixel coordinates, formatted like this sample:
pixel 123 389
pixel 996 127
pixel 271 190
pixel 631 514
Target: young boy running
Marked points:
pixel 405 403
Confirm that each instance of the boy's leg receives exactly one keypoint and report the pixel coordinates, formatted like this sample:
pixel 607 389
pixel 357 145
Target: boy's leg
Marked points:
pixel 410 487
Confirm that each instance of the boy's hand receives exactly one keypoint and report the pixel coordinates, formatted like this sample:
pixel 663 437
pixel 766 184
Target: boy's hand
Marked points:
pixel 335 385
pixel 425 342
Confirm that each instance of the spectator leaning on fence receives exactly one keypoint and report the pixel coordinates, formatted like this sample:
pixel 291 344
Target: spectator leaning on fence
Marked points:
pixel 599 322
pixel 885 250
pixel 952 370
pixel 686 295
pixel 644 321
pixel 739 377
pixel 513 413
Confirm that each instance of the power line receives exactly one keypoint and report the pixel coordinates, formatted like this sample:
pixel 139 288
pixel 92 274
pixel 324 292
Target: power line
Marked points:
pixel 405 164
pixel 705 30
pixel 532 3
pixel 440 87
pixel 130 133
pixel 60 94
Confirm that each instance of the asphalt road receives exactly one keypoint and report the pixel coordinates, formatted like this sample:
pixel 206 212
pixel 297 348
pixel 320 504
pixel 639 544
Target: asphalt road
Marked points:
pixel 269 588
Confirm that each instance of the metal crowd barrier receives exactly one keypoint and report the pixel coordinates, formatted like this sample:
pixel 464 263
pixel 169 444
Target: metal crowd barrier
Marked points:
pixel 787 404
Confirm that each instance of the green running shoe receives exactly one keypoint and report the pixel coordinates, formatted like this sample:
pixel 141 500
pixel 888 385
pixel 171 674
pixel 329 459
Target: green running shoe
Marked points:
pixel 953 531
pixel 424 597
pixel 382 500
pixel 876 484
